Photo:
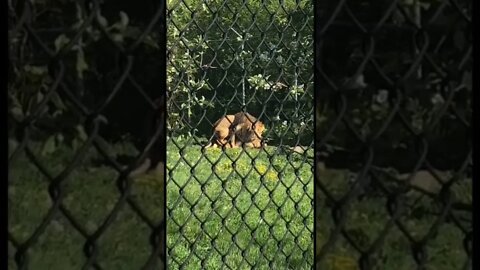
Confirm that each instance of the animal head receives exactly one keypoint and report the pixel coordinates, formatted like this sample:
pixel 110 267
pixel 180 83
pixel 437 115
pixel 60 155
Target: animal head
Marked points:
pixel 259 127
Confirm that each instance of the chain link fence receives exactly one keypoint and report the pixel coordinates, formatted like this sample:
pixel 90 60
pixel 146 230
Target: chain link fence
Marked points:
pixel 82 75
pixel 393 108
pixel 95 103
pixel 240 208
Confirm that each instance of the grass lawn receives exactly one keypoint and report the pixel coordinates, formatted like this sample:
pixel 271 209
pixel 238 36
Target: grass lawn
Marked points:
pixel 226 210
pixel 237 210
pixel 258 213
pixel 91 193
pixel 367 217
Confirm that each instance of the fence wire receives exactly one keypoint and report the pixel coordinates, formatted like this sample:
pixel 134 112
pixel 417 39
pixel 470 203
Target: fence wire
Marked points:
pixel 240 208
pixel 72 204
pixel 393 102
pixel 100 91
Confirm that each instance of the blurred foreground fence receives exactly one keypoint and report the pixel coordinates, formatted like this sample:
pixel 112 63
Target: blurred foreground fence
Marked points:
pixel 90 83
pixel 393 106
pixel 87 80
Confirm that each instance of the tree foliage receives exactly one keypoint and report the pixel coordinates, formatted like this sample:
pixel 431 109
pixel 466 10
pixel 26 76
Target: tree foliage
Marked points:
pixel 223 53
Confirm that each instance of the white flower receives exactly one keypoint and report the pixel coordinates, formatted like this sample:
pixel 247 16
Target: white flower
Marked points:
pixel 279 59
pixel 263 57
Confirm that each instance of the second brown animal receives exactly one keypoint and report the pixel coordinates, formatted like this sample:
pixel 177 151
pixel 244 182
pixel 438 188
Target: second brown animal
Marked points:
pixel 241 129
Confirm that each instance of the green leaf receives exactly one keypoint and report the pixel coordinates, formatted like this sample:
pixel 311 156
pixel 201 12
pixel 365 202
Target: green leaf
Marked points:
pixel 75 144
pixel 60 42
pixel 57 101
pixel 82 135
pixel 12 146
pixel 102 21
pixel 49 146
pixel 17 113
pixel 59 138
pixel 117 37
pixel 467 79
pixel 124 19
pixel 35 70
pixel 39 97
pixel 81 64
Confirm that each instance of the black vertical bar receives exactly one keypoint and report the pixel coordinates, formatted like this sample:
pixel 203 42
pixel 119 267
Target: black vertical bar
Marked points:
pixel 158 153
pixel 163 100
pixel 316 89
pixel 5 103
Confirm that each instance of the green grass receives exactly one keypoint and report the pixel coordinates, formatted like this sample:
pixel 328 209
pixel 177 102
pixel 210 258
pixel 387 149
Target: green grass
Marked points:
pixel 366 218
pixel 256 214
pixel 255 211
pixel 90 194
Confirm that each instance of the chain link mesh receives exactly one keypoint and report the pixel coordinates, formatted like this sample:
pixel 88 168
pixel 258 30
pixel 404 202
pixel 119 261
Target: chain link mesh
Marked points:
pixel 93 98
pixel 394 108
pixel 240 208
pixel 79 72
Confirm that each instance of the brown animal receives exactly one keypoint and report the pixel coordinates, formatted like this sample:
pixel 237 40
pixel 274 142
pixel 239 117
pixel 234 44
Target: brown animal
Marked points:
pixel 232 131
pixel 222 133
pixel 248 130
